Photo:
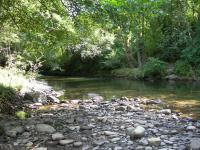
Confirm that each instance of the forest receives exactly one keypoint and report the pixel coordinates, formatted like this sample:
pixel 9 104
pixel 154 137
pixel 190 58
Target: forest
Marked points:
pixel 99 74
pixel 131 38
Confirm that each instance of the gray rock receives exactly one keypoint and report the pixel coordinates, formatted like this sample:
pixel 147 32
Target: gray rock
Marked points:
pixel 14 131
pixel 29 144
pixel 109 133
pixel 45 128
pixel 78 144
pixel 66 142
pixel 121 108
pixel 53 99
pixel 138 132
pixel 40 148
pixel 154 141
pixel 57 136
pixel 129 130
pixel 148 148
pixel 171 77
pixel 166 111
pixel 191 128
pixel 195 144
pixel 143 142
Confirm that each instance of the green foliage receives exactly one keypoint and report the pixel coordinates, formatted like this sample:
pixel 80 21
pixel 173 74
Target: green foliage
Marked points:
pixel 21 115
pixel 130 73
pixel 182 68
pixel 7 96
pixel 154 68
pixel 46 35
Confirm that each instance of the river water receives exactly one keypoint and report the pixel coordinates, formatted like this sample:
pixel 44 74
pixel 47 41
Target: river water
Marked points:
pixel 183 96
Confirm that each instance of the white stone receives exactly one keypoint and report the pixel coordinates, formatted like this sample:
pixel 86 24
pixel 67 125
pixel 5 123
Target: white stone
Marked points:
pixel 191 128
pixel 109 133
pixel 57 136
pixel 138 132
pixel 66 141
pixel 78 144
pixel 154 141
pixel 41 148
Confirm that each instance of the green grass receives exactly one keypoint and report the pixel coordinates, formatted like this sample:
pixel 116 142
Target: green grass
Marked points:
pixel 13 78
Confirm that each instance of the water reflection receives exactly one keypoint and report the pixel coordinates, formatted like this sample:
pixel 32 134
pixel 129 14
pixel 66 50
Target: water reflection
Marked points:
pixel 183 95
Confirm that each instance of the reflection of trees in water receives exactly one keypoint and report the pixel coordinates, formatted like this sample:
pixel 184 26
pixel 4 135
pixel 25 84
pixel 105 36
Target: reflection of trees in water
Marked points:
pixel 106 87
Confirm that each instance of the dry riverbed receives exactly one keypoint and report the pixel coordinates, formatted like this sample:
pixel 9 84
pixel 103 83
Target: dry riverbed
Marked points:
pixel 96 124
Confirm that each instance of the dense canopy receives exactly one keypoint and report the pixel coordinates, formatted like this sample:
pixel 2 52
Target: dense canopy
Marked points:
pixel 102 35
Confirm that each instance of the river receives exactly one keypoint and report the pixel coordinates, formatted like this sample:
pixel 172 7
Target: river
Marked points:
pixel 182 96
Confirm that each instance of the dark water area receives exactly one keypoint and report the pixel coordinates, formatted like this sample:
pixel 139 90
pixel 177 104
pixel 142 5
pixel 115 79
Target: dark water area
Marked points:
pixel 183 96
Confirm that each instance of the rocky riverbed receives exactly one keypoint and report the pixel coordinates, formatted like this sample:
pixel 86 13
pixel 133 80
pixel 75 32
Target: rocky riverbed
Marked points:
pixel 96 124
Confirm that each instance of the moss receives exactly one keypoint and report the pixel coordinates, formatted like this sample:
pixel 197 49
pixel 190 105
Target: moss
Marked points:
pixel 21 115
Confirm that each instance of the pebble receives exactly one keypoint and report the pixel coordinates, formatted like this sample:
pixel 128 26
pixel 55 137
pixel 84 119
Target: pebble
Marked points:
pixel 57 136
pixel 66 141
pixel 78 144
pixel 154 141
pixel 45 128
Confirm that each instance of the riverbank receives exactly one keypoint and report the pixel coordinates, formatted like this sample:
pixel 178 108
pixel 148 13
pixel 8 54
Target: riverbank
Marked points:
pixel 99 124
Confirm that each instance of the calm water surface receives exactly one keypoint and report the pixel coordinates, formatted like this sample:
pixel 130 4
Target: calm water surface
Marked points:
pixel 184 96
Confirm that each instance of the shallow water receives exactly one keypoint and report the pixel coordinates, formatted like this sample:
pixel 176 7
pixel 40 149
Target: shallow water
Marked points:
pixel 183 96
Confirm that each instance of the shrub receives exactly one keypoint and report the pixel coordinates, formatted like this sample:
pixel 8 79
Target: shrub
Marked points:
pixel 131 73
pixel 7 97
pixel 154 68
pixel 182 68
pixel 197 71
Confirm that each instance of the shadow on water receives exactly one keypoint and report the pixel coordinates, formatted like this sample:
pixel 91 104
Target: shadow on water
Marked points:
pixel 182 95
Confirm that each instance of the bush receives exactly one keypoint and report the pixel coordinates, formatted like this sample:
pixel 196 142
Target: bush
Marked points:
pixel 131 73
pixel 154 68
pixel 197 71
pixel 182 68
pixel 7 97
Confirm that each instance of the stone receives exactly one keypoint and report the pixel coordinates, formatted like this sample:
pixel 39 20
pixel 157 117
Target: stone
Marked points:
pixel 171 77
pixel 14 131
pixel 148 148
pixel 29 144
pixel 121 108
pixel 66 142
pixel 40 148
pixel 143 142
pixel 57 136
pixel 138 132
pixel 129 130
pixel 195 144
pixel 154 141
pixel 86 127
pixel 115 139
pixel 53 99
pixel 166 111
pixel 78 144
pixel 45 128
pixel 109 133
pixel 191 128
